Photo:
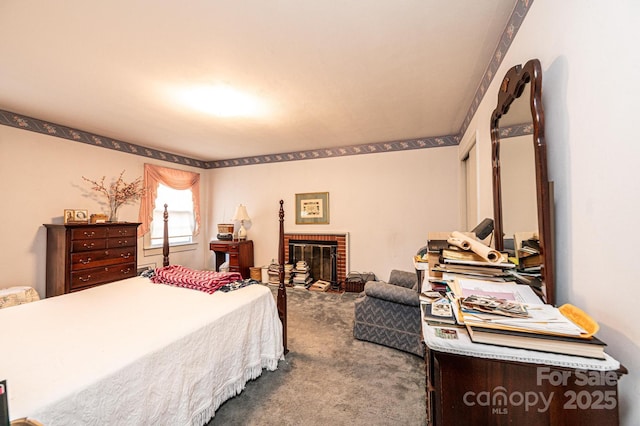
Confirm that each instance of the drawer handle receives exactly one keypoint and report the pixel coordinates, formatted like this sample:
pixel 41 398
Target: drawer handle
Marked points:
pixel 90 245
pixel 84 262
pixel 125 271
pixel 122 243
pixel 89 234
pixel 85 279
pixel 123 232
pixel 125 255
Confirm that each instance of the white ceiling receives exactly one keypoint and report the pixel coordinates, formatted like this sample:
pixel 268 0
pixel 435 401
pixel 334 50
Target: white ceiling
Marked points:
pixel 328 73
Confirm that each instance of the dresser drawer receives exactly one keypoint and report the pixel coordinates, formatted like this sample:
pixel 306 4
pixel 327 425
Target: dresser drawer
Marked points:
pixel 93 259
pixel 234 259
pixel 121 242
pixel 90 277
pixel 218 247
pixel 122 231
pixel 89 233
pixel 85 245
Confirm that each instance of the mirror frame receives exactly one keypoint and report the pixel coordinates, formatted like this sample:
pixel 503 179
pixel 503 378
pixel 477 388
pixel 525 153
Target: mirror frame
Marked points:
pixel 512 87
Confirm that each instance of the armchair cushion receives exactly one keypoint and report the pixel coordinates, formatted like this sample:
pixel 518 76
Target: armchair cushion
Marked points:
pixel 392 293
pixel 404 279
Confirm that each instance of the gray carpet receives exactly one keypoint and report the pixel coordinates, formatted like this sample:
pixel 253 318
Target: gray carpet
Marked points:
pixel 328 377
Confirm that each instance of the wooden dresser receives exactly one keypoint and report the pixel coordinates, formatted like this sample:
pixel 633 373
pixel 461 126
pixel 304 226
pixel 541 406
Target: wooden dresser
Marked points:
pixel 240 255
pixel 471 390
pixel 472 384
pixel 80 256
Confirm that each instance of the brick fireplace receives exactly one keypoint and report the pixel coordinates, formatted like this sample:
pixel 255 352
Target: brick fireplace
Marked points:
pixel 340 239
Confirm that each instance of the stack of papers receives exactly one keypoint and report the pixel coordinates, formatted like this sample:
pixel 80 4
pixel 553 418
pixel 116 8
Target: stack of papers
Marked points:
pixel 543 319
pixel 540 318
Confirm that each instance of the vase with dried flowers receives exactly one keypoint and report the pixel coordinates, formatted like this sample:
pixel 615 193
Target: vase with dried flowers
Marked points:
pixel 118 193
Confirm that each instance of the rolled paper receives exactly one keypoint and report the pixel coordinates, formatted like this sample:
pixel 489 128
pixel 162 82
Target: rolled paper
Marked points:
pixel 463 244
pixel 460 240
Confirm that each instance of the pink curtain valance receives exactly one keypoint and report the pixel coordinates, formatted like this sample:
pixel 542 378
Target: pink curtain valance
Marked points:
pixel 173 178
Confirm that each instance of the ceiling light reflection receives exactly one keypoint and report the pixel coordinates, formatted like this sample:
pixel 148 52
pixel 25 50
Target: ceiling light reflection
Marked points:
pixel 222 101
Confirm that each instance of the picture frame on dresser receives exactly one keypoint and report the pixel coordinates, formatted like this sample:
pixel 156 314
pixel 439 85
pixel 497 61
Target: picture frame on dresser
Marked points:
pixel 69 215
pixel 81 216
pixel 76 216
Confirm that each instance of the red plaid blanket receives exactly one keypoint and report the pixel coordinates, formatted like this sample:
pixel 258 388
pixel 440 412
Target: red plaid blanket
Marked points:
pixel 207 281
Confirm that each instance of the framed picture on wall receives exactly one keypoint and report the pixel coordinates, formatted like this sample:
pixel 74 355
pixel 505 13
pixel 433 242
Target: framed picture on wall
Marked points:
pixel 312 208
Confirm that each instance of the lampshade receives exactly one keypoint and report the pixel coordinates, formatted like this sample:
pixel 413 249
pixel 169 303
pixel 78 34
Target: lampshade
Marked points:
pixel 241 213
pixel 242 216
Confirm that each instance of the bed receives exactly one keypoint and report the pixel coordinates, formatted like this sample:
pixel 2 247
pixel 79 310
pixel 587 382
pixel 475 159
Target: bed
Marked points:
pixel 134 352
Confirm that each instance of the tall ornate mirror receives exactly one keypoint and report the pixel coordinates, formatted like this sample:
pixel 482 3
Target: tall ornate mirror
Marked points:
pixel 521 191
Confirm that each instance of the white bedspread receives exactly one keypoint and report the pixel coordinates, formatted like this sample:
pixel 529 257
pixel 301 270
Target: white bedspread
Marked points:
pixel 134 353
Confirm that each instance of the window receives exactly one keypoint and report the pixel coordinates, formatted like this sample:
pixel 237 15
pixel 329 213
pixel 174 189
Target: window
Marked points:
pixel 181 217
pixel 180 190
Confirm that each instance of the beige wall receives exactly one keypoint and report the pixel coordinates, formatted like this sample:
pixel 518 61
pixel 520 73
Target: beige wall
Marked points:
pixel 386 202
pixel 590 66
pixel 40 176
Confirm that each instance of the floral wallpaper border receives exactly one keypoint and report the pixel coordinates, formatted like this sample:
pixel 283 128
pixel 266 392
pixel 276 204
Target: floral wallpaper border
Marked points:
pixel 370 148
pixel 516 130
pixel 513 25
pixel 35 125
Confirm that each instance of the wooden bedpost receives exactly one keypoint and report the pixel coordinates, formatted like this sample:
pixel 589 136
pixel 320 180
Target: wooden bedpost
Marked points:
pixel 165 238
pixel 282 288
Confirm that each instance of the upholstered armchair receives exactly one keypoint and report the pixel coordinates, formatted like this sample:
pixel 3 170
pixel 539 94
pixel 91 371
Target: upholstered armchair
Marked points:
pixel 388 313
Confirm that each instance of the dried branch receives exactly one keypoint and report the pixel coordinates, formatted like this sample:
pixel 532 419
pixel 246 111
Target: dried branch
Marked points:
pixel 118 192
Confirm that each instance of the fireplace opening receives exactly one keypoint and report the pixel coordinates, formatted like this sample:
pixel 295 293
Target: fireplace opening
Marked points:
pixel 339 262
pixel 320 257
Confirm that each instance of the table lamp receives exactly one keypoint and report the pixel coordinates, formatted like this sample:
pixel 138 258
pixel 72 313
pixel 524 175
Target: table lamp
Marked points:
pixel 241 216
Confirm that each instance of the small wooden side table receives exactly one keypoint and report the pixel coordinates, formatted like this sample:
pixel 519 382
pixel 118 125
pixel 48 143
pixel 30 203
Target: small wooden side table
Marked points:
pixel 240 255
